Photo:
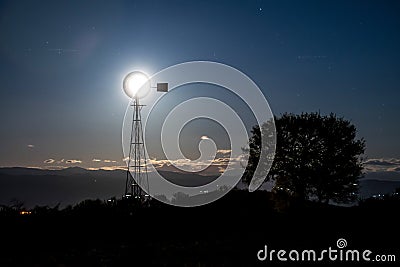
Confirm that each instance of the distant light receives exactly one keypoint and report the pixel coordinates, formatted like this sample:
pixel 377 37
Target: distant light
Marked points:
pixel 24 212
pixel 136 84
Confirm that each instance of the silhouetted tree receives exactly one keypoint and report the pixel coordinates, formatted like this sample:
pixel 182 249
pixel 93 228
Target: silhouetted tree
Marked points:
pixel 317 157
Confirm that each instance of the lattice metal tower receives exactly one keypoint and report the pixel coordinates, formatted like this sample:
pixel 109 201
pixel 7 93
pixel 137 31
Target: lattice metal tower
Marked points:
pixel 137 162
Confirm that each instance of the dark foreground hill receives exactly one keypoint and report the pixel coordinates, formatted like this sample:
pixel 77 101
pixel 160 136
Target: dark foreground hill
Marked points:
pixel 228 232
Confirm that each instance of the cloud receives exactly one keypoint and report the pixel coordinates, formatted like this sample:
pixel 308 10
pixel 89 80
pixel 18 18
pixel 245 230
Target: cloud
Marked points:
pixel 218 165
pixel 73 161
pixel 70 161
pixel 108 168
pixel 222 161
pixel 113 168
pixel 54 167
pixel 224 151
pixel 382 164
pixel 105 160
pixel 49 161
pixel 110 161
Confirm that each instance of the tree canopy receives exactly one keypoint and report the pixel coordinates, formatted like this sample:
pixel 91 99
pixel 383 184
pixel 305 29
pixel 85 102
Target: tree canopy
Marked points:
pixel 317 157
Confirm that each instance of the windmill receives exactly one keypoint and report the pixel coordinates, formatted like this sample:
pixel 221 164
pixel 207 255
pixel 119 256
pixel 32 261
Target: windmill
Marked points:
pixel 136 85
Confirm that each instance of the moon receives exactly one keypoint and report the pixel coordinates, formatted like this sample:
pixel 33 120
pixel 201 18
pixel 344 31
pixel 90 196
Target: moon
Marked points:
pixel 136 84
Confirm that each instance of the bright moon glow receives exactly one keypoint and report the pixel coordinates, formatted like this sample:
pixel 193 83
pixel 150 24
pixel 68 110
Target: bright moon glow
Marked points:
pixel 134 82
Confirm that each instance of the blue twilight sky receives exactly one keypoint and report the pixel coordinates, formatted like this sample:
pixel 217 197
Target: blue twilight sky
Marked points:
pixel 62 63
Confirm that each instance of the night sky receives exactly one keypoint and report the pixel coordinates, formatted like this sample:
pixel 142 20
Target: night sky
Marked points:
pixel 62 65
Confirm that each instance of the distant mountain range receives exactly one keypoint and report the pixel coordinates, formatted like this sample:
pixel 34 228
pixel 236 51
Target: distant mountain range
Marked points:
pixel 382 182
pixel 71 185
pixel 50 187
